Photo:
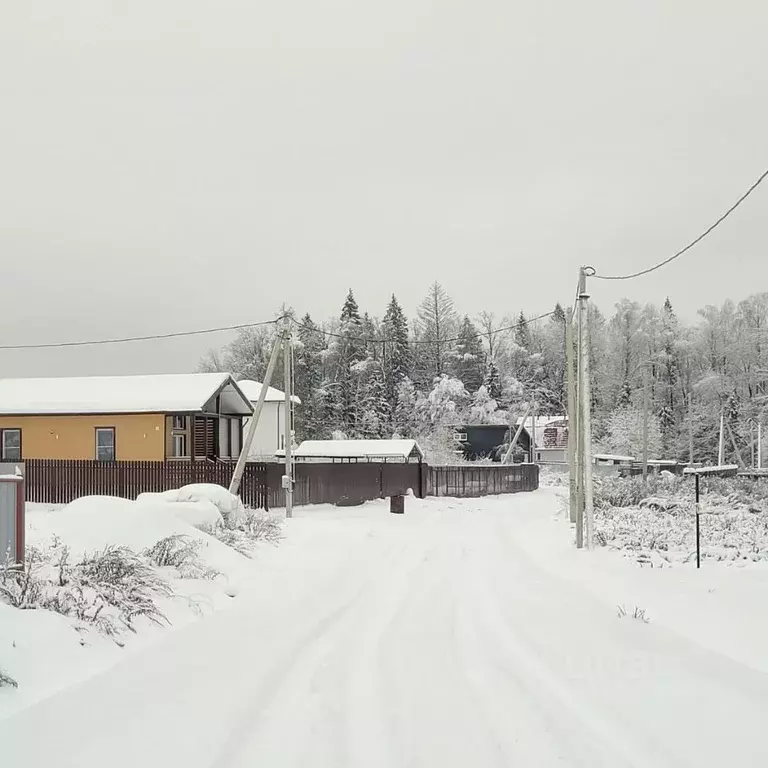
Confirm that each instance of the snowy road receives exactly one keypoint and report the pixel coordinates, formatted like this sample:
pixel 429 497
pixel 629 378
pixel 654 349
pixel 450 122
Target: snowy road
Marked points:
pixel 431 640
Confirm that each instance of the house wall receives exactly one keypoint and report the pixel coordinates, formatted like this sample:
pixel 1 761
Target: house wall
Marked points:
pixel 138 437
pixel 270 433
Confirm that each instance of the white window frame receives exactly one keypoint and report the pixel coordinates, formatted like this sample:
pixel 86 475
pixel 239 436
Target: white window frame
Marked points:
pixel 460 437
pixel 113 432
pixel 4 447
pixel 183 422
pixel 179 446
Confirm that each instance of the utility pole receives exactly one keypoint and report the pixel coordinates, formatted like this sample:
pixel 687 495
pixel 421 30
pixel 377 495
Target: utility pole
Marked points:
pixel 572 420
pixel 288 477
pixel 508 455
pixel 721 444
pixel 645 424
pixel 242 459
pixel 533 430
pixel 690 428
pixel 759 445
pixel 586 407
pixel 579 446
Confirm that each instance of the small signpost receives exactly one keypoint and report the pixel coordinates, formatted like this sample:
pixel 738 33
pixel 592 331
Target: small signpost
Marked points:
pixel 727 470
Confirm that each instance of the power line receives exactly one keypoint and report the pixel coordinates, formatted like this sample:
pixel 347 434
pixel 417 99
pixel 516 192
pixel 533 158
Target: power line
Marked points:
pixel 693 242
pixel 370 340
pixel 241 326
pixel 125 340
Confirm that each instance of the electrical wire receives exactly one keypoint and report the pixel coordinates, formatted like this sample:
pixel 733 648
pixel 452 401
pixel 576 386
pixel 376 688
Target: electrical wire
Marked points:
pixel 482 334
pixel 690 245
pixel 127 339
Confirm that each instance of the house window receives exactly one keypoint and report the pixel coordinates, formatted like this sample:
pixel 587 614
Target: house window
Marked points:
pixel 105 443
pixel 179 446
pixel 11 444
pixel 460 437
pixel 179 422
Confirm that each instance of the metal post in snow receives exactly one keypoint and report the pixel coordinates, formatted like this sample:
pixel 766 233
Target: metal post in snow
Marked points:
pixel 759 445
pixel 698 528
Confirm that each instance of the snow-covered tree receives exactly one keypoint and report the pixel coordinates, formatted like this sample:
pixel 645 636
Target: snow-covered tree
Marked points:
pixel 407 421
pixel 397 354
pixel 437 324
pixel 625 433
pixel 468 363
pixel 492 380
pixel 485 410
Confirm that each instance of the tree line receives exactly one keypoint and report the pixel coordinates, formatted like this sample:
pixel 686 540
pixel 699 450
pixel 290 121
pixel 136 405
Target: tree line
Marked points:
pixel 362 375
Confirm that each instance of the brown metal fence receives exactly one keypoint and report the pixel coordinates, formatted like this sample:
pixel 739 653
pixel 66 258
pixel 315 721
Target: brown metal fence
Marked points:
pixel 465 480
pixel 345 482
pixel 56 481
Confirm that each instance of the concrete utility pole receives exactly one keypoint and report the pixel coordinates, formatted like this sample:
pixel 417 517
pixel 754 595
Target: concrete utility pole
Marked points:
pixel 572 420
pixel 287 360
pixel 759 445
pixel 586 408
pixel 242 459
pixel 508 454
pixel 646 407
pixel 533 431
pixel 690 428
pixel 579 446
pixel 721 444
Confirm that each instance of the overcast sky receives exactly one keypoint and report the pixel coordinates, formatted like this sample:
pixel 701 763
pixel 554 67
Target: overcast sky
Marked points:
pixel 177 164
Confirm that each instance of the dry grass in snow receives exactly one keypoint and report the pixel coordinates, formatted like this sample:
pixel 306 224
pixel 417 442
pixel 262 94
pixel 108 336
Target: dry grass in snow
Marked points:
pixel 656 525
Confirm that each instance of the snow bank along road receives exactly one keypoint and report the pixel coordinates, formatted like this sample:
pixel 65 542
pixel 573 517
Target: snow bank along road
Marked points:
pixel 442 638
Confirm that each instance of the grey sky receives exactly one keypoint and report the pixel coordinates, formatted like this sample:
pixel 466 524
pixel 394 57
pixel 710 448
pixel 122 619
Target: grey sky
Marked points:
pixel 161 160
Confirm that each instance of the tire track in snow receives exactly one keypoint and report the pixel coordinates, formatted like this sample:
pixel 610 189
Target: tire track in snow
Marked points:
pixel 307 690
pixel 572 731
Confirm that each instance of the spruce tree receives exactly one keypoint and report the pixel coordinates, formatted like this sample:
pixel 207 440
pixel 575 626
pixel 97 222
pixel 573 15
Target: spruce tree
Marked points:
pixel 492 381
pixel 308 378
pixel 397 354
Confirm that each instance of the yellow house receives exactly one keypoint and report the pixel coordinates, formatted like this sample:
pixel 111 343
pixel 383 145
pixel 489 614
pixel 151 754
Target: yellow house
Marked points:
pixel 181 417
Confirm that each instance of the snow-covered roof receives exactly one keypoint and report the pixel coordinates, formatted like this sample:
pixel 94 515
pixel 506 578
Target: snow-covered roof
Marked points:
pixel 358 449
pixel 162 393
pixel 725 469
pixel 252 389
pixel 612 457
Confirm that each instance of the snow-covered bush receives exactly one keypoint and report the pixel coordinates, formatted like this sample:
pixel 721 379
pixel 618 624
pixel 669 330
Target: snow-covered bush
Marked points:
pixel 254 526
pixel 612 491
pixel 182 553
pixel 230 506
pixel 108 589
pixel 7 680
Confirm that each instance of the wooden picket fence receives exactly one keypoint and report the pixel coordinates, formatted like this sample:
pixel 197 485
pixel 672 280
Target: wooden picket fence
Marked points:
pixel 59 481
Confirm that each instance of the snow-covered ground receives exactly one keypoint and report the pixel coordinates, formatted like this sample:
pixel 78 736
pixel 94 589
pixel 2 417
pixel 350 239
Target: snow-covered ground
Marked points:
pixel 464 632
